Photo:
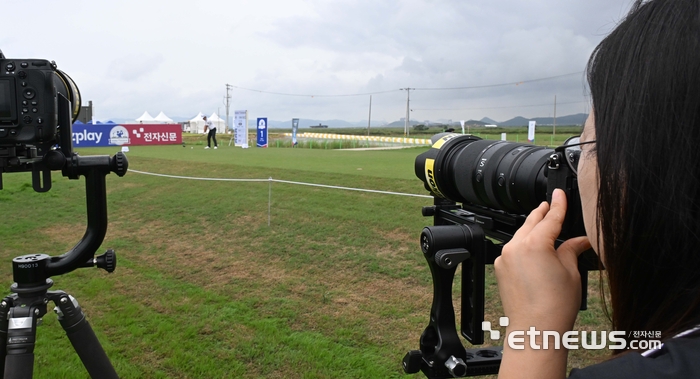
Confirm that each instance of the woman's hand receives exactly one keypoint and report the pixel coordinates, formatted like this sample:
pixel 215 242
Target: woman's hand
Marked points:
pixel 540 287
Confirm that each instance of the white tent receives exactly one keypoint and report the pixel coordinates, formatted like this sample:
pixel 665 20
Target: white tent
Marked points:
pixel 163 119
pixel 197 124
pixel 146 118
pixel 218 122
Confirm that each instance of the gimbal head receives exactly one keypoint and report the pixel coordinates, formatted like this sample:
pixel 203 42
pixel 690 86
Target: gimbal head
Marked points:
pixel 465 234
pixel 35 269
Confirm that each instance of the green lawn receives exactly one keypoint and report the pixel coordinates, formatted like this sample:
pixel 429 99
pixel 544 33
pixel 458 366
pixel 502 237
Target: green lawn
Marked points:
pixel 334 287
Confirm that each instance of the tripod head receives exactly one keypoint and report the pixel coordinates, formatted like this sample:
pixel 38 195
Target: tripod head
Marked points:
pixel 33 271
pixel 471 236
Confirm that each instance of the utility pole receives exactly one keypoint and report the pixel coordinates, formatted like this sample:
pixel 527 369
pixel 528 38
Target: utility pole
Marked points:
pixel 227 101
pixel 369 119
pixel 554 128
pixel 408 110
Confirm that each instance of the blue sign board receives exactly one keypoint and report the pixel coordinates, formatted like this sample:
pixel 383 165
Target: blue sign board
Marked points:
pixel 262 132
pixel 89 135
pixel 295 128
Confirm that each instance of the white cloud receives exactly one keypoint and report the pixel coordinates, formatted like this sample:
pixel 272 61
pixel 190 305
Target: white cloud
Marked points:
pixel 176 56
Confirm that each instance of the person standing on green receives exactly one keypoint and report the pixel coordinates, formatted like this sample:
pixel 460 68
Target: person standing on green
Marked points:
pixel 208 125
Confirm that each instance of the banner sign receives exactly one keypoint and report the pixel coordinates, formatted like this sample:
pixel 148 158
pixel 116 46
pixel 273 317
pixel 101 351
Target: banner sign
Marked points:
pixel 240 129
pixel 295 129
pixel 94 135
pixel 531 131
pixel 262 132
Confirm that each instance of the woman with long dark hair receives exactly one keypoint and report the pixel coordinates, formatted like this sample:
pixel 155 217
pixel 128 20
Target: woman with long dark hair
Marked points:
pixel 639 178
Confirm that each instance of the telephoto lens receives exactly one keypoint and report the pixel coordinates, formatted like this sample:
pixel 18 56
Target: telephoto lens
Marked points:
pixel 495 174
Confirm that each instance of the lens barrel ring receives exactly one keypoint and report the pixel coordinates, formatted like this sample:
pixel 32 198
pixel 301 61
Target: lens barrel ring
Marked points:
pixel 449 152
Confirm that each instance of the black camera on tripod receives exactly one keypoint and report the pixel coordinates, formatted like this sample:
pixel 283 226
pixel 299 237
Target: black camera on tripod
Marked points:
pixel 483 191
pixel 30 106
pixel 38 105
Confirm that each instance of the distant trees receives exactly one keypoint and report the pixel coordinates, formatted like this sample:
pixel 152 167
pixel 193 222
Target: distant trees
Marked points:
pixel 421 127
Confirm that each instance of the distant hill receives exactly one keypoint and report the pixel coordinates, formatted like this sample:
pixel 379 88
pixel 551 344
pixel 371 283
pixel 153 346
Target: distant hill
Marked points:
pixel 516 121
pixel 307 123
pixel 477 123
pixel 402 123
pixel 119 120
pixel 576 119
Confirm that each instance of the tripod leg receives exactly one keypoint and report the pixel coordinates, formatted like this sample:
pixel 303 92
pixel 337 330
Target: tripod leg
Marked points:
pixel 82 337
pixel 21 337
pixel 5 306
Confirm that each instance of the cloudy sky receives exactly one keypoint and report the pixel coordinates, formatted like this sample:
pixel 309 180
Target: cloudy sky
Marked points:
pixel 319 59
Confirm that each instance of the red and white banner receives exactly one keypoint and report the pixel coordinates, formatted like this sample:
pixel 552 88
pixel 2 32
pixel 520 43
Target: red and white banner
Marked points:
pixel 154 134
pixel 92 135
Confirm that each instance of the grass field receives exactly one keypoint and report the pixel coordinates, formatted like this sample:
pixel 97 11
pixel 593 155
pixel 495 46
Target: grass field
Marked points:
pixel 544 136
pixel 334 287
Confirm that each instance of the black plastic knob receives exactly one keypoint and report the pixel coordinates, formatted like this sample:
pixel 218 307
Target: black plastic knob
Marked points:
pixel 107 261
pixel 449 258
pixel 119 164
pixel 412 361
pixel 428 211
pixel 54 160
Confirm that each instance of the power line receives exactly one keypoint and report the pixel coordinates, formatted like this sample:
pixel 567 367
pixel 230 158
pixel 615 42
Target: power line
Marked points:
pixel 502 84
pixel 504 107
pixel 417 89
pixel 303 95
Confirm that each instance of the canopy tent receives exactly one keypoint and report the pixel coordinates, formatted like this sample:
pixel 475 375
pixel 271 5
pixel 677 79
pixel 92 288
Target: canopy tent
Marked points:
pixel 196 124
pixel 218 122
pixel 146 118
pixel 163 119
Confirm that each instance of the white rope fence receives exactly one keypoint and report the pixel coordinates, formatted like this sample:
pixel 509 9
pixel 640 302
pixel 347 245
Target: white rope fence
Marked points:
pixel 271 180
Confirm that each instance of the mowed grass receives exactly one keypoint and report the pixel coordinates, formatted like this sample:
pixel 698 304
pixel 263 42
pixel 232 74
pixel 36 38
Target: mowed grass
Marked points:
pixel 334 287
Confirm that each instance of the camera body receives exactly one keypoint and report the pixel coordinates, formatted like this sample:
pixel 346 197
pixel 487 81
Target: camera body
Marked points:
pixel 30 124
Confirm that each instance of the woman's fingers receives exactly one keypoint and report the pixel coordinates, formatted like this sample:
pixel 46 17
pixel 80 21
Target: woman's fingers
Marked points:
pixel 550 226
pixel 570 250
pixel 532 220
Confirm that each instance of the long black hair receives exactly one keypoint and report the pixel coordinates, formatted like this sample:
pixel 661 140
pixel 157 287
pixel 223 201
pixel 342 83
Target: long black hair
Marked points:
pixel 645 84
